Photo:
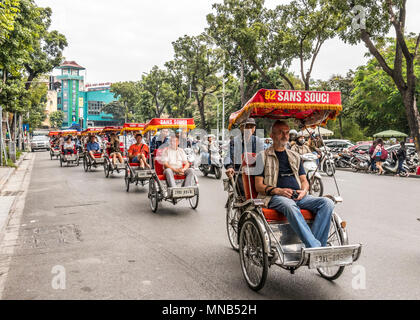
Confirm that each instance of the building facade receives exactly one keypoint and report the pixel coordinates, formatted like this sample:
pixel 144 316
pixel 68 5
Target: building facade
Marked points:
pixel 82 105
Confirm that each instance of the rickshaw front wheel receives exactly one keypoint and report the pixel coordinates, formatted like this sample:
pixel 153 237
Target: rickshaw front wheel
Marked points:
pixel 232 224
pixel 194 201
pixel 153 195
pixel 254 259
pixel 127 179
pixel 335 238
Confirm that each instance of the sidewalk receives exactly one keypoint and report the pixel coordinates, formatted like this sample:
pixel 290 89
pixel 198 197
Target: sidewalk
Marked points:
pixel 6 200
pixel 412 175
pixel 6 172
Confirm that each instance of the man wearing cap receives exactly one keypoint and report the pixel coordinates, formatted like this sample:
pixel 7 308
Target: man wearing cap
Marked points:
pixel 159 140
pixel 248 142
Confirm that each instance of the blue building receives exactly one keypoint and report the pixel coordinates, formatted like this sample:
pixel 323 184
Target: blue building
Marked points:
pixel 82 104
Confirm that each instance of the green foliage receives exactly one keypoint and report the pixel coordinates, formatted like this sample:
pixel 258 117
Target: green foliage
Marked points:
pixel 56 119
pixel 8 12
pixel 377 104
pixel 117 109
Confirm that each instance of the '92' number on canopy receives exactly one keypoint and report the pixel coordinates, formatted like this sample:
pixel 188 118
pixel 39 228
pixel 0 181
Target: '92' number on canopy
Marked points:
pixel 270 95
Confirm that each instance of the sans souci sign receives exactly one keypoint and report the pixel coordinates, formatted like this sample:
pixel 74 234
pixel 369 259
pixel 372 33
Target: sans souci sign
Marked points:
pixel 304 97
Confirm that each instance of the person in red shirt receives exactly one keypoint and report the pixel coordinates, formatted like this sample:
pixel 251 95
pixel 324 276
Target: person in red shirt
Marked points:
pixel 139 152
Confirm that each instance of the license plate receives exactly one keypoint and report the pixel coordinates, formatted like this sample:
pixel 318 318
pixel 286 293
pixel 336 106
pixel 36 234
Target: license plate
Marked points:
pixel 183 192
pixel 319 260
pixel 143 174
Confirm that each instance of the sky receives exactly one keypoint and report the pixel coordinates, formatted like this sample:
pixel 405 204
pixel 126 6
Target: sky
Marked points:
pixel 120 40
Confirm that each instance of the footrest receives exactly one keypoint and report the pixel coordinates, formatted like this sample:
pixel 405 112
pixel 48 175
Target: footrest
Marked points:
pixel 331 256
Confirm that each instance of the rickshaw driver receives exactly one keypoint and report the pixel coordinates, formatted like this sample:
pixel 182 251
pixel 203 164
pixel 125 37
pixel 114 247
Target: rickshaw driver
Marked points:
pixel 175 161
pixel 283 176
pixel 159 140
pixel 138 152
pixel 236 149
pixel 93 146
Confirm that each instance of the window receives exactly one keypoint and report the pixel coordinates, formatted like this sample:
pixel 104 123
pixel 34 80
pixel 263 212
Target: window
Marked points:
pixel 74 86
pixel 95 108
pixel 65 84
pixel 65 94
pixel 59 100
pixel 65 106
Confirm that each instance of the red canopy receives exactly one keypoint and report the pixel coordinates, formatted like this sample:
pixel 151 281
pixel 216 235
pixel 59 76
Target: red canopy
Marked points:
pixel 133 127
pixel 158 123
pixel 314 107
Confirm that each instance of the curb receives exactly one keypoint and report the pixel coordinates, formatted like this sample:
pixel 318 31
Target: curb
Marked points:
pixel 350 170
pixel 18 163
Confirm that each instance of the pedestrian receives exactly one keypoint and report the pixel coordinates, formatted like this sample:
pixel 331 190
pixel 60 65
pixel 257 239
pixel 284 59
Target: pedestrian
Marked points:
pixel 401 156
pixel 380 155
pixel 372 157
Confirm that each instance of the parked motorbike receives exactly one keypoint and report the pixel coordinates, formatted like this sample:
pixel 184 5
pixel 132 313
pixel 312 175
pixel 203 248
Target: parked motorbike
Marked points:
pixel 316 187
pixel 412 162
pixel 360 162
pixel 327 162
pixel 391 166
pixel 343 160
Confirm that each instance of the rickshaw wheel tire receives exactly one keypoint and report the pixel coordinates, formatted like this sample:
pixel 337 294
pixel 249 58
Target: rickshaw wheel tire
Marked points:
pixel 340 269
pixel 61 162
pixel 218 172
pixel 253 224
pixel 127 181
pixel 196 198
pixel 85 166
pixel 233 242
pixel 153 196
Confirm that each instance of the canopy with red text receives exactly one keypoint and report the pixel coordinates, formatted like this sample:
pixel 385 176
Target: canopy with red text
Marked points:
pixel 92 131
pixel 157 123
pixel 312 107
pixel 133 127
pixel 111 129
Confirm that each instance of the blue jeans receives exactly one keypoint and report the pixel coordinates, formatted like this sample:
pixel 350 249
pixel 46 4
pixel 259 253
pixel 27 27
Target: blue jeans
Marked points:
pixel 400 166
pixel 135 160
pixel 321 207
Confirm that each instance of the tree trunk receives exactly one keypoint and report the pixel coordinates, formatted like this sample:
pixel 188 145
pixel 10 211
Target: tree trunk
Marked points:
pixel 202 114
pixel 413 116
pixel 341 126
pixel 242 86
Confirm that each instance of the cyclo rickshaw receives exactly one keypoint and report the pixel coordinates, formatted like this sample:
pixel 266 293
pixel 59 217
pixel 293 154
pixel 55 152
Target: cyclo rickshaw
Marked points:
pixel 54 148
pixel 109 167
pixel 98 158
pixel 158 189
pixel 133 173
pixel 69 158
pixel 263 236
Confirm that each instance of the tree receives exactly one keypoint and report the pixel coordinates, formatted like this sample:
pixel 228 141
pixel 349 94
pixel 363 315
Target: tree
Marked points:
pixel 117 109
pixel 8 12
pixel 200 64
pixel 35 99
pixel 242 28
pixel 377 104
pixel 301 28
pixel 127 94
pixel 372 21
pixel 155 83
pixel 56 119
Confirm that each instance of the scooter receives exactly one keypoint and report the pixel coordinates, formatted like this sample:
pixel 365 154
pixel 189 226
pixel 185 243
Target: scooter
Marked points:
pixel 316 187
pixel 360 163
pixel 215 165
pixel 391 166
pixel 327 162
